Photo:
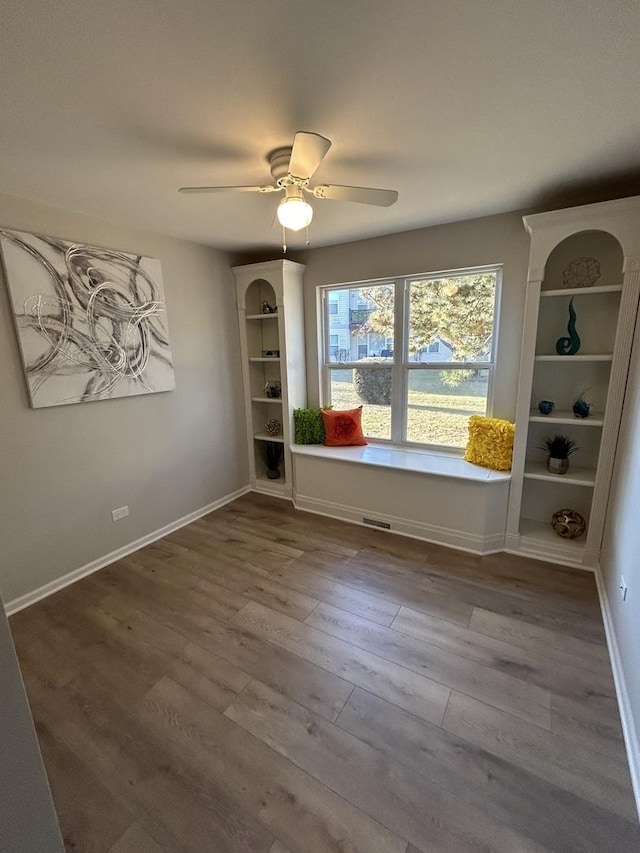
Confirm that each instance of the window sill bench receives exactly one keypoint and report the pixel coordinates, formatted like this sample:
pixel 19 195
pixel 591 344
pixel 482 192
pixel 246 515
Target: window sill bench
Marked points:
pixel 436 497
pixel 417 461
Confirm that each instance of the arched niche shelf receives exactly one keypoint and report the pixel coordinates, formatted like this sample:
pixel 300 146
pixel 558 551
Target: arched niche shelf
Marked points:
pixel 258 292
pixel 600 247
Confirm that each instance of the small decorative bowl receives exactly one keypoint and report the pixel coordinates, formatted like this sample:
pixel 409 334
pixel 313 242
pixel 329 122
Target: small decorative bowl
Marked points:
pixel 545 407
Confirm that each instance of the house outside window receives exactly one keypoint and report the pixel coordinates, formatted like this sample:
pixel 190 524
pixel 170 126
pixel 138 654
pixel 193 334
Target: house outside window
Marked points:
pixel 416 352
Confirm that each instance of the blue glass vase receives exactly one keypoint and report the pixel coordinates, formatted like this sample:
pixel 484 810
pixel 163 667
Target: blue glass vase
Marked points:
pixel 581 409
pixel 571 344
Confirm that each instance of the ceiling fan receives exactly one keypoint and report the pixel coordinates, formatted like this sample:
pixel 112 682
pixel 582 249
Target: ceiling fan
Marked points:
pixel 292 169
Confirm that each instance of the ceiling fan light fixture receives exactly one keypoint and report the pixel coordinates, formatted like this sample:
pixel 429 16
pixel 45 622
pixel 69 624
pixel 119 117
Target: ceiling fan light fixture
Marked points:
pixel 294 212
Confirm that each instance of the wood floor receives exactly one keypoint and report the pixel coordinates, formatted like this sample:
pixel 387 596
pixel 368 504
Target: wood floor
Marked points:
pixel 268 681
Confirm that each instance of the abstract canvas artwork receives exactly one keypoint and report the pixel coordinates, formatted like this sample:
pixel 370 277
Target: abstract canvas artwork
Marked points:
pixel 91 322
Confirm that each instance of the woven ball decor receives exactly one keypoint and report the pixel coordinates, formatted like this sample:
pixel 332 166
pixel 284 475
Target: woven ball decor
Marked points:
pixel 568 523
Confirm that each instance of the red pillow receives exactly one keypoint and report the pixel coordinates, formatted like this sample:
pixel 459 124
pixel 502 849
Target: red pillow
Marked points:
pixel 343 428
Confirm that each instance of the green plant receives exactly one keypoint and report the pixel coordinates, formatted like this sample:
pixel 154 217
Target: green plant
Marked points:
pixel 559 446
pixel 308 426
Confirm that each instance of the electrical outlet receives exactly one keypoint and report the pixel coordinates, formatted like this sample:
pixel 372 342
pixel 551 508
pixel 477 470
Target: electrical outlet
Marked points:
pixel 121 512
pixel 623 588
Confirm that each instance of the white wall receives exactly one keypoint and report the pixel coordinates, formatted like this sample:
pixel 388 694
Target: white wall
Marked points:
pixel 63 469
pixel 27 818
pixel 621 555
pixel 476 242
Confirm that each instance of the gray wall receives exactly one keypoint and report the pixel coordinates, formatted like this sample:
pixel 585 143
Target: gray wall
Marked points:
pixel 475 242
pixel 63 469
pixel 27 818
pixel 621 549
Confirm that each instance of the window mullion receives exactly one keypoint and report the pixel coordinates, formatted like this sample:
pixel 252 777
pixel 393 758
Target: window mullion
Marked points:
pixel 325 393
pixel 398 396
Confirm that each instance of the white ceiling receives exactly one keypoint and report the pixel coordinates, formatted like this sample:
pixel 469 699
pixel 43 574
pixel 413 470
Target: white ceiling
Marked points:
pixel 467 107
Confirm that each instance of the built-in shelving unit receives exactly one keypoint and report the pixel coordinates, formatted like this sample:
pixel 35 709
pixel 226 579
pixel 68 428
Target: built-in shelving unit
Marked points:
pixel 278 283
pixel 606 315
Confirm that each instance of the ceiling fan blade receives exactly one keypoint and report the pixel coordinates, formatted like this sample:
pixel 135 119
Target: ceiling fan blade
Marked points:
pixel 309 150
pixel 363 195
pixel 265 189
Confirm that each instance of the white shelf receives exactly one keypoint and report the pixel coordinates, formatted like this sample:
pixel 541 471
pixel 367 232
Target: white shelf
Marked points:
pixel 261 317
pixel 586 291
pixel 263 436
pixel 578 358
pixel 541 534
pixel 560 417
pixel 264 359
pixel 267 400
pixel 573 477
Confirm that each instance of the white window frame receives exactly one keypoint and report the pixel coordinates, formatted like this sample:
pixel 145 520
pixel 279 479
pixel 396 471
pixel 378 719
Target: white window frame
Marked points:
pixel 401 365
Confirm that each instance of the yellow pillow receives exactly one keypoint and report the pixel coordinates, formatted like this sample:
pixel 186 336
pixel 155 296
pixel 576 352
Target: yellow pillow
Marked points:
pixel 490 443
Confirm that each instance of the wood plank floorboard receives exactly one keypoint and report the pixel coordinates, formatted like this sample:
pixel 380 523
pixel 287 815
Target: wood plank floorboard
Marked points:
pixel 597 779
pixel 136 840
pixel 271 681
pixel 413 806
pixel 308 684
pixel 423 696
pixel 525 700
pixel 483 780
pixel 180 812
pixel 552 670
pixel 91 819
pixel 537 638
pixel 294 805
pixel 592 722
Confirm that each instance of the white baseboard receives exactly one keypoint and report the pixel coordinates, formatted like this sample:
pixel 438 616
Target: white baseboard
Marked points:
pixel 461 541
pixel 274 490
pixel 517 544
pixel 626 712
pixel 66 580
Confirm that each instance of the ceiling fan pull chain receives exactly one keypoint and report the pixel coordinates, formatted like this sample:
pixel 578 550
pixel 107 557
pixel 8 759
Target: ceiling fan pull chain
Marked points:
pixel 307 230
pixel 284 240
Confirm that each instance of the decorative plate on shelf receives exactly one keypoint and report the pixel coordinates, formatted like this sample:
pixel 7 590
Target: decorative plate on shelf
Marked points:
pixel 581 272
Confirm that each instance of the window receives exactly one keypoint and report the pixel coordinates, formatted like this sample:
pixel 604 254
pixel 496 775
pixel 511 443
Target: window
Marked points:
pixel 418 355
pixel 333 306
